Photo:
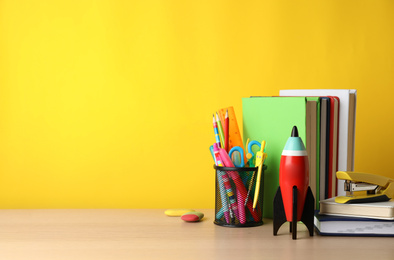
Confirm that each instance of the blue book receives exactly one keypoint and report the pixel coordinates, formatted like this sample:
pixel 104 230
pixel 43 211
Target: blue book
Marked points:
pixel 328 225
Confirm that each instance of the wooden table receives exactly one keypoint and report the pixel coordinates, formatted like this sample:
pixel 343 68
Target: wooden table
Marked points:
pixel 148 234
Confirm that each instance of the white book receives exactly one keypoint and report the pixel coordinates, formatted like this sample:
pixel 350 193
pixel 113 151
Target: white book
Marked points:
pixel 344 156
pixel 375 210
pixel 352 226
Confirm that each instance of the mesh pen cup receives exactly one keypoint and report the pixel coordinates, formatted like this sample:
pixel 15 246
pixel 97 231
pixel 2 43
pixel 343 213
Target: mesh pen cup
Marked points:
pixel 235 195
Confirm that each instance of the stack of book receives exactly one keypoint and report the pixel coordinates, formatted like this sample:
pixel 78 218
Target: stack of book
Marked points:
pixel 360 219
pixel 326 123
pixel 331 149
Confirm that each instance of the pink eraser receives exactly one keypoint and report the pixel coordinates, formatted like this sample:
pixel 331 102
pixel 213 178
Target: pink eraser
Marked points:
pixel 192 216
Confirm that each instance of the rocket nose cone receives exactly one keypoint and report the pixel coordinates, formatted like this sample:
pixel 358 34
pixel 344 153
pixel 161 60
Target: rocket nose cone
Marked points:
pixel 294 132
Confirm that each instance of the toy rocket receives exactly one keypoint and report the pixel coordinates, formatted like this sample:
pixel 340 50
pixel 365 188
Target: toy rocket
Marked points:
pixel 294 200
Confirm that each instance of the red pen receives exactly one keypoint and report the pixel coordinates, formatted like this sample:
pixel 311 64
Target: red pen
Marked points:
pixel 226 132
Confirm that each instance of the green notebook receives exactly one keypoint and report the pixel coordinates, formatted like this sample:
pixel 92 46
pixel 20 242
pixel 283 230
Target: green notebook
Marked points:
pixel 272 119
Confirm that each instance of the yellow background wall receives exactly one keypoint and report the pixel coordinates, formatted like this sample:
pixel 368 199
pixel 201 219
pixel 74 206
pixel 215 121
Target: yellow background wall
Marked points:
pixel 108 104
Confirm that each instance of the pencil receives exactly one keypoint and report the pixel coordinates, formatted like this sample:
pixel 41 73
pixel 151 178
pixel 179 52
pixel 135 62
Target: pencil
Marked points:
pixel 220 128
pixel 226 132
pixel 215 129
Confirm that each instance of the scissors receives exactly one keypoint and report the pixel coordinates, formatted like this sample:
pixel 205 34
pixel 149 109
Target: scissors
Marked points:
pixel 241 152
pixel 249 153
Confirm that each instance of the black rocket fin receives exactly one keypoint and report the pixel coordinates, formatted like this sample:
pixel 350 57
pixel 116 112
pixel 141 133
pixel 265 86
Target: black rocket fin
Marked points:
pixel 294 217
pixel 279 215
pixel 308 211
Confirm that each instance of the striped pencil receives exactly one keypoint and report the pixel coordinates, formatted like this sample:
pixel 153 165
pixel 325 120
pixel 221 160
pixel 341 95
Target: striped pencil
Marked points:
pixel 215 129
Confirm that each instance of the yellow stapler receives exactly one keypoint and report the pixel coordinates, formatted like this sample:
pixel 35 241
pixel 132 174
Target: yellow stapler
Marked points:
pixel 365 187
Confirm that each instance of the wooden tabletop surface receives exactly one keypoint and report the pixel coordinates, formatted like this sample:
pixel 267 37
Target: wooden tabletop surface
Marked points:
pixel 113 234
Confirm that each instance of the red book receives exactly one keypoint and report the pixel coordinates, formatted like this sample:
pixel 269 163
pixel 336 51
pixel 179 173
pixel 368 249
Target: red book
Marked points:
pixel 333 146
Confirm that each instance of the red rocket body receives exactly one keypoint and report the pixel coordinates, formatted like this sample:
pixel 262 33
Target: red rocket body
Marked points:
pixel 293 171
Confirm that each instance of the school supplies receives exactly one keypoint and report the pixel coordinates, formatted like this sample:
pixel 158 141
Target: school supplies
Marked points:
pixel 272 126
pixel 238 183
pixel 324 146
pixel 223 196
pixel 376 210
pixel 226 132
pixel 250 188
pixel 225 188
pixel 346 125
pixel 249 152
pixel 235 138
pixel 251 221
pixel 212 153
pixel 217 155
pixel 326 225
pixel 241 152
pixel 333 147
pixel 260 157
pixel 216 131
pixel 313 144
pixel 220 128
pixel 193 216
pixel 231 161
pixel 177 212
pixel 365 187
pixel 241 190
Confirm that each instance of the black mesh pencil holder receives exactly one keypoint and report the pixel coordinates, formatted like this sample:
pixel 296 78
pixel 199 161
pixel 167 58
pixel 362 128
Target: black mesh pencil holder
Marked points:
pixel 235 195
